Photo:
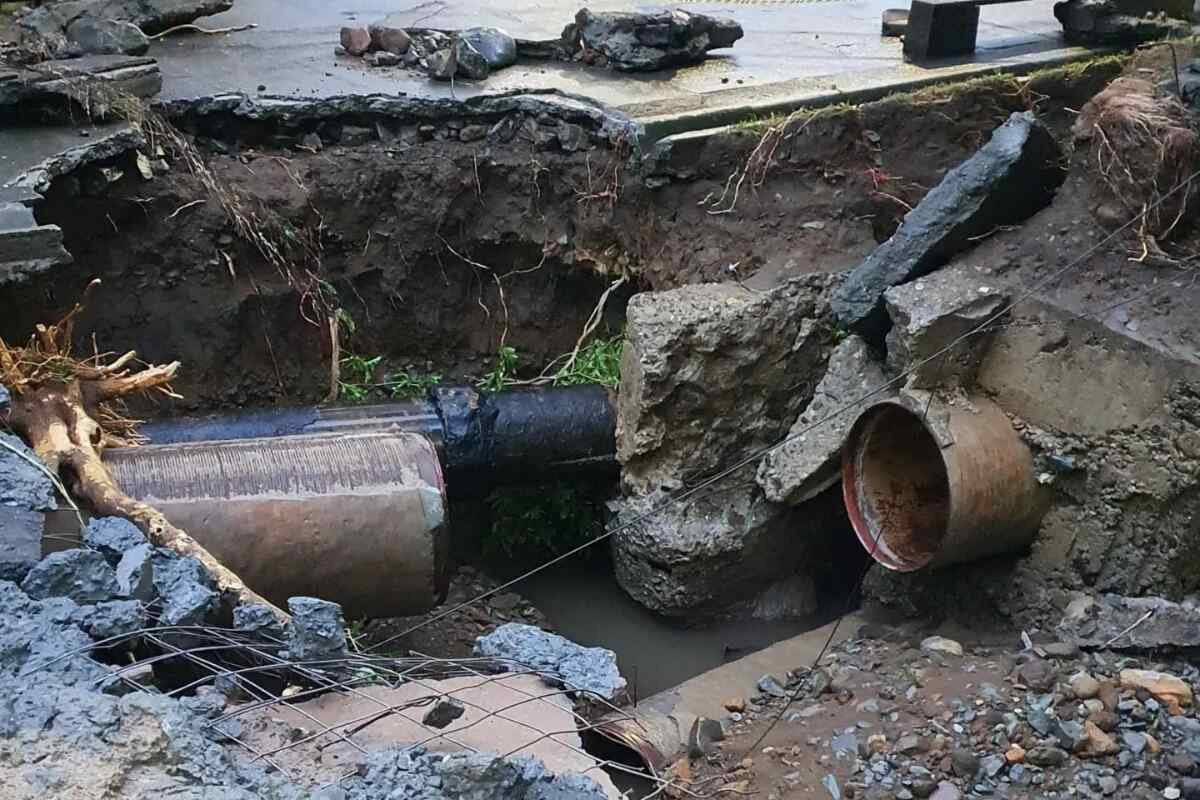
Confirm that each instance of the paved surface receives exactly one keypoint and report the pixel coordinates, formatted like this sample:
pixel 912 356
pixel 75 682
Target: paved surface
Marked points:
pixel 790 48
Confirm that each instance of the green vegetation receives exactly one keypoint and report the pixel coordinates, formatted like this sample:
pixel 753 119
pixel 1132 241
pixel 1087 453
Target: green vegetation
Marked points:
pixel 536 522
pixel 358 384
pixel 503 373
pixel 598 362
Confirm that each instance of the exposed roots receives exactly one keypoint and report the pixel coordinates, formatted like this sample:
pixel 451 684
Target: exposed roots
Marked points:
pixel 1142 147
pixel 70 409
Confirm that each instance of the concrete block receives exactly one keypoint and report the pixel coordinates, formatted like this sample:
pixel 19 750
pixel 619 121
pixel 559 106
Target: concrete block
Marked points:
pixel 809 462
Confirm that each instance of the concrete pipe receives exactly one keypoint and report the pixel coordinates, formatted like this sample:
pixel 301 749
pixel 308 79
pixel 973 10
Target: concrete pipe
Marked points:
pixel 948 486
pixel 359 519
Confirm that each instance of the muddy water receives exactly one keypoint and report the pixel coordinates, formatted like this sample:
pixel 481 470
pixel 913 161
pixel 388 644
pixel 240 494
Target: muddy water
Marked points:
pixel 584 603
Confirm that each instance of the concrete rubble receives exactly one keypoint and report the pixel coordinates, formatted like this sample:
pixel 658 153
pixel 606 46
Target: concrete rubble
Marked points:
pixel 584 669
pixel 700 374
pixel 1130 623
pixel 644 42
pixel 26 496
pixel 1014 175
pixel 1107 22
pixel 809 462
pixel 96 27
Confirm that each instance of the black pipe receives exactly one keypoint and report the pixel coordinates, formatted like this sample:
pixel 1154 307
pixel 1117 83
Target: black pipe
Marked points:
pixel 519 436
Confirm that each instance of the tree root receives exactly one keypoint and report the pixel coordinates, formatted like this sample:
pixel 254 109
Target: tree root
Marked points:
pixel 70 410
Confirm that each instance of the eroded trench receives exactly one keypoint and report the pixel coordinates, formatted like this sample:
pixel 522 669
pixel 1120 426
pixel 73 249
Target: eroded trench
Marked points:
pixel 475 249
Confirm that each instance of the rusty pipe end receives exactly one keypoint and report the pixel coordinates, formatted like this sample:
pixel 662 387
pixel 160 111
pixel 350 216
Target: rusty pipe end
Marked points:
pixel 933 489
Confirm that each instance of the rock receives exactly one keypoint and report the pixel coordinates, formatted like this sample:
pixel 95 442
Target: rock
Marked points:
pixel 964 763
pixel 1181 762
pixel 444 711
pixel 1014 175
pixel 1046 756
pixel 942 645
pixel 1119 623
pixel 769 685
pixel 571 137
pixel 1134 742
pixel 469 62
pixel 22 484
pixel 388 39
pixel 355 41
pixel 908 744
pixel 1163 687
pixel 1172 793
pixel 1072 736
pixel 831 786
pixel 498 49
pixel 1102 22
pixel 1097 743
pixel 99 36
pixel 809 462
pixel 1038 675
pixel 1106 721
pixel 930 313
pixel 946 791
pixel 1060 650
pixel 735 704
pixel 583 669
pixel 1084 686
pixel 644 42
pixel 992 765
pixel 472 133
pixel 355 135
pixel 317 632
pixel 704 735
pixel 382 58
pixel 184 588
pixel 151 16
pixel 81 575
pixel 1015 754
pixel 504 130
pixel 712 554
pixel 111 619
pixel 440 65
pixel 700 375
pixel 258 619
pixel 845 744
pixel 112 537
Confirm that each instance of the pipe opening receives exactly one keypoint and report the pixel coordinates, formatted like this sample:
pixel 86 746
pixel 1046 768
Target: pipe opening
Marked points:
pixel 897 489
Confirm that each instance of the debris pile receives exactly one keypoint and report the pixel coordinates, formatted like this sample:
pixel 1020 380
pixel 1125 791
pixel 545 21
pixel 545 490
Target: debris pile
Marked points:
pixel 627 42
pixel 882 719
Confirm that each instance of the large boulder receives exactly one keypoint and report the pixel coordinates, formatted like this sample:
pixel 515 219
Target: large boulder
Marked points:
pixel 809 461
pixel 636 42
pixel 152 16
pixel 712 373
pixel 1009 179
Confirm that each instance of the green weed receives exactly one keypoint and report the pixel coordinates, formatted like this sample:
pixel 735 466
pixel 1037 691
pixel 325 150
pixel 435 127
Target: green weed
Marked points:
pixel 357 377
pixel 540 521
pixel 503 373
pixel 598 362
pixel 358 381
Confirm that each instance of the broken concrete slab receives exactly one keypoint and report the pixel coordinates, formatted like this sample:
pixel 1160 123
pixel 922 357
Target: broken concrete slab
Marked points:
pixel 586 669
pixel 708 556
pixel 152 16
pixel 26 496
pixel 81 78
pixel 931 313
pixel 1012 176
pixel 809 461
pixel 1130 623
pixel 700 375
pixel 107 36
pixel 640 42
pixel 111 619
pixel 81 575
pixel 1109 22
pixel 318 631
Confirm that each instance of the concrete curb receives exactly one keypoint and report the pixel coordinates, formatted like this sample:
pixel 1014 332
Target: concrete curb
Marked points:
pixel 707 121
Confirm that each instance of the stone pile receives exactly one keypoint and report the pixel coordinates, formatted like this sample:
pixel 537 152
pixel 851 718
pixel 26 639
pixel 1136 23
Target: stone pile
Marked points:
pixel 471 54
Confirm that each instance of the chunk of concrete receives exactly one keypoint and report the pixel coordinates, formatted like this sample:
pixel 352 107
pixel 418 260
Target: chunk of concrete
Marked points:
pixel 1010 178
pixel 259 619
pixel 96 35
pixel 152 16
pixel 930 314
pixel 497 47
pixel 22 483
pixel 1110 22
pixel 81 575
pixel 135 576
pixel 1130 623
pixel 638 42
pixel 318 631
pixel 704 557
pixel 809 462
pixel 713 372
pixel 112 537
pixel 184 587
pixel 111 619
pixel 585 669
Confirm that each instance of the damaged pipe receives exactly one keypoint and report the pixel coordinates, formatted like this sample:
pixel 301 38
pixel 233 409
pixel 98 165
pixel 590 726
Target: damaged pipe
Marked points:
pixel 358 519
pixel 929 488
pixel 483 438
